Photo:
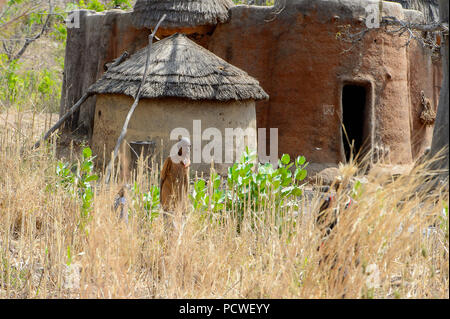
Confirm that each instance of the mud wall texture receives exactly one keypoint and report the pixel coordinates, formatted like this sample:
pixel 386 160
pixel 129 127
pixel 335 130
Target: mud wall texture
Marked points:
pixel 154 120
pixel 422 67
pixel 303 64
pixel 441 131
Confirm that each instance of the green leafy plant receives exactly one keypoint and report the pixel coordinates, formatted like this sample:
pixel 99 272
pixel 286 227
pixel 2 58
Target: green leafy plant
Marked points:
pixel 148 202
pixel 444 220
pixel 252 186
pixel 258 187
pixel 46 83
pixel 95 5
pixel 204 200
pixel 59 32
pixel 124 4
pixel 12 82
pixel 151 202
pixel 18 87
pixel 77 179
pixel 69 256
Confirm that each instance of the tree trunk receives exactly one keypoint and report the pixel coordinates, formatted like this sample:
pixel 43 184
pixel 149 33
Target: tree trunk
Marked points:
pixel 441 133
pixel 100 39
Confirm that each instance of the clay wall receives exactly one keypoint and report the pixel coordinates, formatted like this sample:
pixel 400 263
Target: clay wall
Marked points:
pixel 302 63
pixel 154 120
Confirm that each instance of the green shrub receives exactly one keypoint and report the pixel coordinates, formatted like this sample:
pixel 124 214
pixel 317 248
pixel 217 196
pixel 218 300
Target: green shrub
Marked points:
pixel 12 83
pixel 252 188
pixel 204 200
pixel 146 202
pixel 444 220
pixel 77 178
pixel 124 4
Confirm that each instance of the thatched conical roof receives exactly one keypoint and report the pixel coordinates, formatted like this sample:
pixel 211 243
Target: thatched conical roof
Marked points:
pixel 180 13
pixel 180 68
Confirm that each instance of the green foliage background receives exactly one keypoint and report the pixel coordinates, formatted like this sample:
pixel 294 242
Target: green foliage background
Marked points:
pixel 34 81
pixel 27 84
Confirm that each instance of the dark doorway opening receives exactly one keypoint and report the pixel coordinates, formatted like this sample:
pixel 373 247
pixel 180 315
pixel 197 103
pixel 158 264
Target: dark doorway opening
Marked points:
pixel 355 119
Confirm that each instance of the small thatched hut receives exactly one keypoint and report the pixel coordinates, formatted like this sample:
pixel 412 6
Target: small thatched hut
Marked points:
pixel 185 83
pixel 183 16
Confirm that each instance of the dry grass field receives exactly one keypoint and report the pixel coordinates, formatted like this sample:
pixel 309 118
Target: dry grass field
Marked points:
pixel 392 242
pixel 58 242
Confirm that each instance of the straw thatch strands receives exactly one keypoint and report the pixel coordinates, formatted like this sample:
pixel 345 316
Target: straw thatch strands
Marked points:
pixel 180 13
pixel 180 68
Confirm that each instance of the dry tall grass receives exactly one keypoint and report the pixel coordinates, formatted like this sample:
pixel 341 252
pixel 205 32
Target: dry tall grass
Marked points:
pixel 382 246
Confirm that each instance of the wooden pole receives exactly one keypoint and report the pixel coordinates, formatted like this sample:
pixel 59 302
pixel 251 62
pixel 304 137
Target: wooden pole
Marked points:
pixel 135 104
pixel 63 119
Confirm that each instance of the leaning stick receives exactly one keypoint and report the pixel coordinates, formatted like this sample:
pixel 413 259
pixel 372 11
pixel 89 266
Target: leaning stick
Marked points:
pixel 133 107
pixel 116 62
pixel 77 105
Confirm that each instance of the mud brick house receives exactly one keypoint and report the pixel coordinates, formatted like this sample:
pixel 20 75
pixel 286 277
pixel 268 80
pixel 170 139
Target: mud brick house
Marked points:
pixel 316 79
pixel 185 82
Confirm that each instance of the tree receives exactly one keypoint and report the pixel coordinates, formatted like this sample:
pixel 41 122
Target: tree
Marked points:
pixel 11 16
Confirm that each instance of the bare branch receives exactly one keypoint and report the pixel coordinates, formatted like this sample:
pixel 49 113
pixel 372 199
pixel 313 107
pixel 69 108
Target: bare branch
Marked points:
pixel 431 27
pixel 135 104
pixel 279 7
pixel 72 110
pixel 28 11
pixel 116 62
pixel 37 36
pixel 403 27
